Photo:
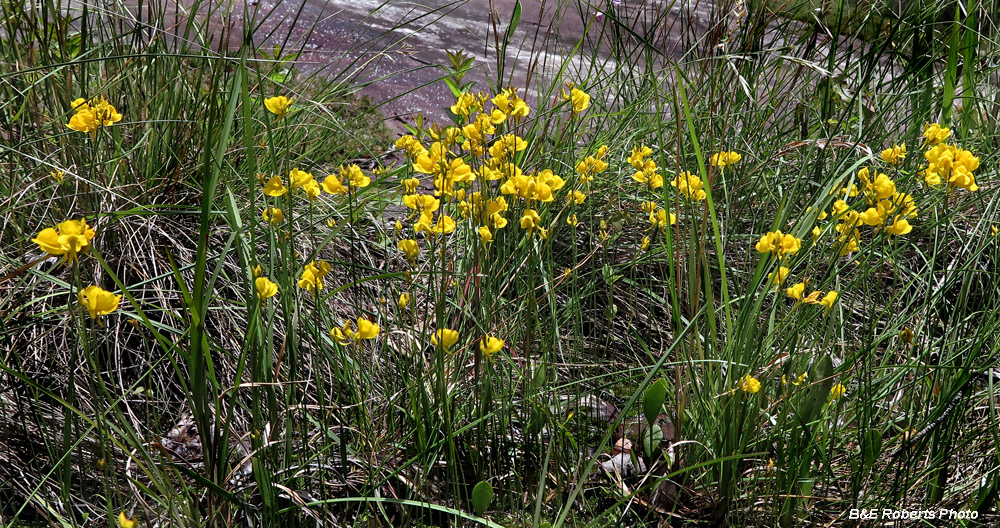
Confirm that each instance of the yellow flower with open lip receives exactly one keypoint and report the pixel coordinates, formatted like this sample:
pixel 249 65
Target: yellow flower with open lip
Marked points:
pixel 649 174
pixel 57 175
pixel 404 300
pixel 266 288
pixel 837 391
pixel 778 276
pixel 355 178
pixel 445 338
pixel 578 98
pixel 724 159
pixel 935 133
pixel 689 186
pixel 796 290
pixel 93 115
pixel 272 215
pixel 125 522
pixel 278 105
pixel 485 235
pixel 659 219
pixel 532 222
pixel 638 157
pixel 365 330
pixel 828 300
pixel 899 226
pixel 490 345
pixel 299 178
pixel 512 106
pixel 412 146
pixel 410 248
pixel 98 301
pixel 781 244
pixel 465 104
pixel 576 197
pixel 274 187
pixel 444 225
pixel 312 276
pixel 67 240
pixel 894 155
pixel 572 221
pixel 749 384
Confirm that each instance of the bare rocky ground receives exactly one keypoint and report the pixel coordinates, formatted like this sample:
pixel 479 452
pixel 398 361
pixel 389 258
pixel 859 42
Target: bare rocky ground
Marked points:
pixel 396 48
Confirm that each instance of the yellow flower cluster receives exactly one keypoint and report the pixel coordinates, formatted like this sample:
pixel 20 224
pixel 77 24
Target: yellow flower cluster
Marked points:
pixel 724 159
pixel 346 335
pixel 781 244
pixel 93 115
pixel 646 170
pixel 579 99
pixel 689 186
pixel 312 276
pixel 894 155
pixel 797 292
pixel 951 164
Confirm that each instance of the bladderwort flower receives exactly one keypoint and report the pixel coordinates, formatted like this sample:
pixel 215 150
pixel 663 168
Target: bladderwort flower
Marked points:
pixel 312 276
pixel 490 345
pixel 274 187
pixel 278 105
pixel 689 186
pixel 66 240
pixel 781 244
pixel 272 215
pixel 837 391
pixel 724 159
pixel 266 288
pixel 894 155
pixel 125 522
pixel 828 300
pixel 346 335
pixel 404 301
pixel 410 248
pixel 98 301
pixel 93 115
pixel 749 384
pixel 445 338
pixel 579 99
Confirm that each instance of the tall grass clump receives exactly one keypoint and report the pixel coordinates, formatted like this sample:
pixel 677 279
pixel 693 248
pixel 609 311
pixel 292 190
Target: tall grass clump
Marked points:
pixel 705 265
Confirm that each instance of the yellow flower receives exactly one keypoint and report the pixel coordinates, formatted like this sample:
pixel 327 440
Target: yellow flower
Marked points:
pixel 365 330
pixel 578 98
pixel 994 231
pixel 410 248
pixel 67 240
pixel 899 227
pixel 797 381
pixel 894 155
pixel 512 106
pixel 645 243
pixel 722 159
pixel 93 115
pixel 125 522
pixel 274 187
pixel 404 300
pixel 837 391
pixel 572 221
pixel 312 276
pixel 98 301
pixel 273 215
pixel 658 219
pixel 485 235
pixel 778 277
pixel 445 338
pixel 57 175
pixel 828 300
pixel 816 231
pixel 639 155
pixel 749 384
pixel 490 345
pixel 689 186
pixel 266 288
pixel 464 104
pixel 355 178
pixel 906 334
pixel 779 243
pixel 278 105
pixel 258 271
pixel 445 224
pixel 935 133
pixel 576 197
pixel 299 178
pixel 531 221
pixel 796 290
